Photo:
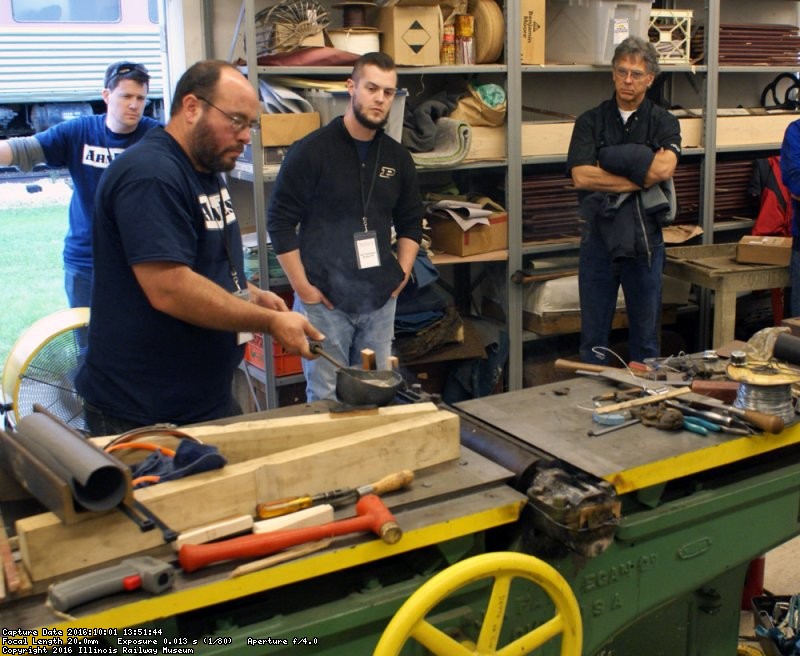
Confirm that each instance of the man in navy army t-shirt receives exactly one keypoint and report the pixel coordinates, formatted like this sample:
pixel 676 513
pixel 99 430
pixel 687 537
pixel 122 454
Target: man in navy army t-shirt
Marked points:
pixel 86 145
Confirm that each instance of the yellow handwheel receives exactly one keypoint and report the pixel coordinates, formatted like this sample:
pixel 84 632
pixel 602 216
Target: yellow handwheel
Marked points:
pixel 410 621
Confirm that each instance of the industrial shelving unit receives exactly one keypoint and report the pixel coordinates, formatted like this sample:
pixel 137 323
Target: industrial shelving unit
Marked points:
pixel 262 174
pixel 521 81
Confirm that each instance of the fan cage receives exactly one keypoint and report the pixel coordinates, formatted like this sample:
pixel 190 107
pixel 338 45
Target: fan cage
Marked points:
pixel 48 380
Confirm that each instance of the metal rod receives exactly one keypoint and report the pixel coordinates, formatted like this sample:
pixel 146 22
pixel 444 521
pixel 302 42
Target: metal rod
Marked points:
pixel 611 429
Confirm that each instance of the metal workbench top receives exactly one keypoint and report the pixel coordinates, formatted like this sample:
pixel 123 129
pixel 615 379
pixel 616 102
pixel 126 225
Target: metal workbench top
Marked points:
pixel 555 419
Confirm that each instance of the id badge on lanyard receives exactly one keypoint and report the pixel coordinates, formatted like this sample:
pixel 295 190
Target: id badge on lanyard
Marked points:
pixel 367 254
pixel 366 242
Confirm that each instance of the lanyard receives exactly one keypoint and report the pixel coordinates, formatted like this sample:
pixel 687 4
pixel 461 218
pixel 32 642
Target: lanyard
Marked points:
pixel 365 201
pixel 224 211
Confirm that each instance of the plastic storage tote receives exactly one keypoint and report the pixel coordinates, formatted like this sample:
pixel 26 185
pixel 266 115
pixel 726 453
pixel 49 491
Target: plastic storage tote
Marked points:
pixel 588 31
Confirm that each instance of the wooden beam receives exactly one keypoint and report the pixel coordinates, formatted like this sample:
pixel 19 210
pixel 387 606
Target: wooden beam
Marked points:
pixel 250 439
pixel 420 441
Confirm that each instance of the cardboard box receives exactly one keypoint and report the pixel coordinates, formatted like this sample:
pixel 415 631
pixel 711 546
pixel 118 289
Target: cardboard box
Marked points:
pixel 285 129
pixel 738 127
pixel 450 238
pixel 753 249
pixel 691 132
pixel 546 137
pixel 533 31
pixel 487 144
pixel 411 35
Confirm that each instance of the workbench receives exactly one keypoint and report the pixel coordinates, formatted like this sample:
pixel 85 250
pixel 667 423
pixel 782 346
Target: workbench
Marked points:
pixel 694 512
pixel 714 267
pixel 446 502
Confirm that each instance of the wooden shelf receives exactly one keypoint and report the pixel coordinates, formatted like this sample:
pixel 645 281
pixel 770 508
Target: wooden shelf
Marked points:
pixel 491 256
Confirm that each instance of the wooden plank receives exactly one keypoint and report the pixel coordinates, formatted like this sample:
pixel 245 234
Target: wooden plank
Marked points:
pixel 313 516
pixel 10 573
pixel 245 440
pixel 345 461
pixel 209 532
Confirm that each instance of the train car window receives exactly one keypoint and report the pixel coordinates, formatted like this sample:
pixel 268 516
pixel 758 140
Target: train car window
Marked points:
pixel 65 11
pixel 152 10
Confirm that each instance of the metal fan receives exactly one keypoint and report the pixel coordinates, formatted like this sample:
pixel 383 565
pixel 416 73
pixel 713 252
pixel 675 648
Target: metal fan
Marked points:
pixel 41 368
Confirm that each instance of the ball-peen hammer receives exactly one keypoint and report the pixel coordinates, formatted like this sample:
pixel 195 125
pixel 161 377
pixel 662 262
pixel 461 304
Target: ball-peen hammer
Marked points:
pixel 372 515
pixel 336 498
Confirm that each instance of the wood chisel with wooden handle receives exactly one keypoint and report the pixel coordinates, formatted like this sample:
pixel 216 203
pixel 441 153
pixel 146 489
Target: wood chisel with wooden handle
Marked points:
pixel 336 498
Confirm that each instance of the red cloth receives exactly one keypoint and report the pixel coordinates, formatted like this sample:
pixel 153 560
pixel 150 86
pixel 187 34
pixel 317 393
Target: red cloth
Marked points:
pixel 775 212
pixel 314 56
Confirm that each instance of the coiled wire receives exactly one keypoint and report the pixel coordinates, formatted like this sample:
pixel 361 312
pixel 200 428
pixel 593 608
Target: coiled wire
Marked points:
pixel 770 399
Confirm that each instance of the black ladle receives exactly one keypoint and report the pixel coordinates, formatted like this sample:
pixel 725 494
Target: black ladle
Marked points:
pixel 316 349
pixel 359 387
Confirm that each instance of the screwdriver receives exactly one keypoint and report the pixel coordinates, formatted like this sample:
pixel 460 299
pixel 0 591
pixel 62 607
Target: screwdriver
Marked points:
pixel 336 498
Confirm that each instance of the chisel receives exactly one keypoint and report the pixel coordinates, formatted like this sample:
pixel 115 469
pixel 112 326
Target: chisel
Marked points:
pixel 725 422
pixel 336 498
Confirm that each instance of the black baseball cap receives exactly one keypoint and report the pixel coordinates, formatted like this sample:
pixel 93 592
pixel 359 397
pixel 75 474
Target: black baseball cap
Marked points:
pixel 127 70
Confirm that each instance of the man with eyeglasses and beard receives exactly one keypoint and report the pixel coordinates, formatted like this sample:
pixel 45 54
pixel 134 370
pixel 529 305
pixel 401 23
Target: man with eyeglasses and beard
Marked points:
pixel 339 194
pixel 621 158
pixel 86 146
pixel 172 309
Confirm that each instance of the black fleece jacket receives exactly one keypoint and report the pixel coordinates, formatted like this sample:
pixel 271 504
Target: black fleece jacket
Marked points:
pixel 318 204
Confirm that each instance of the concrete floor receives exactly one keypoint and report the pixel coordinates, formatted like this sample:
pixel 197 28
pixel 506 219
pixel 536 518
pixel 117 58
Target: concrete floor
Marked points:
pixel 781 577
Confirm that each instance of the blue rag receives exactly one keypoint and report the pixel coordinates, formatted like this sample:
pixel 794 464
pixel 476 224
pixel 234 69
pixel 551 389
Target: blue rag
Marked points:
pixel 190 458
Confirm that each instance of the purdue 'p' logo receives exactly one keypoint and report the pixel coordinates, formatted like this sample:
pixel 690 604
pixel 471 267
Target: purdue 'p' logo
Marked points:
pixel 387 172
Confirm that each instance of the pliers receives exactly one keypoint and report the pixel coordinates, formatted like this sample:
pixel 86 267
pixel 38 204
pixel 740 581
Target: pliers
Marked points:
pixel 700 426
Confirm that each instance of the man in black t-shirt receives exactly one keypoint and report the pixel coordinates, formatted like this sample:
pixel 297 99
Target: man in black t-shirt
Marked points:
pixel 621 158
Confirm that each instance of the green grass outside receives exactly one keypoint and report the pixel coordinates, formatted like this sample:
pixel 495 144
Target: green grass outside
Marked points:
pixel 31 241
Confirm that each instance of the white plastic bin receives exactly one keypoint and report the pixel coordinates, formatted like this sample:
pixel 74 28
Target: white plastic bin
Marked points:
pixel 331 104
pixel 588 31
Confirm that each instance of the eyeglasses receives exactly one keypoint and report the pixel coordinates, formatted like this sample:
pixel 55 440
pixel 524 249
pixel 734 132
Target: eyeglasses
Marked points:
pixel 238 123
pixel 123 68
pixel 636 76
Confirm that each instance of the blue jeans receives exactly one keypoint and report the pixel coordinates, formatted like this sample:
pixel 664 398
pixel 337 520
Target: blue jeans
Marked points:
pixel 78 285
pixel 100 423
pixel 794 281
pixel 598 284
pixel 345 336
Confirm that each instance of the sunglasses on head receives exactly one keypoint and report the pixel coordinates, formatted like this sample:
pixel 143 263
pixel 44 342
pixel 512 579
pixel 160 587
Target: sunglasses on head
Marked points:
pixel 123 69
